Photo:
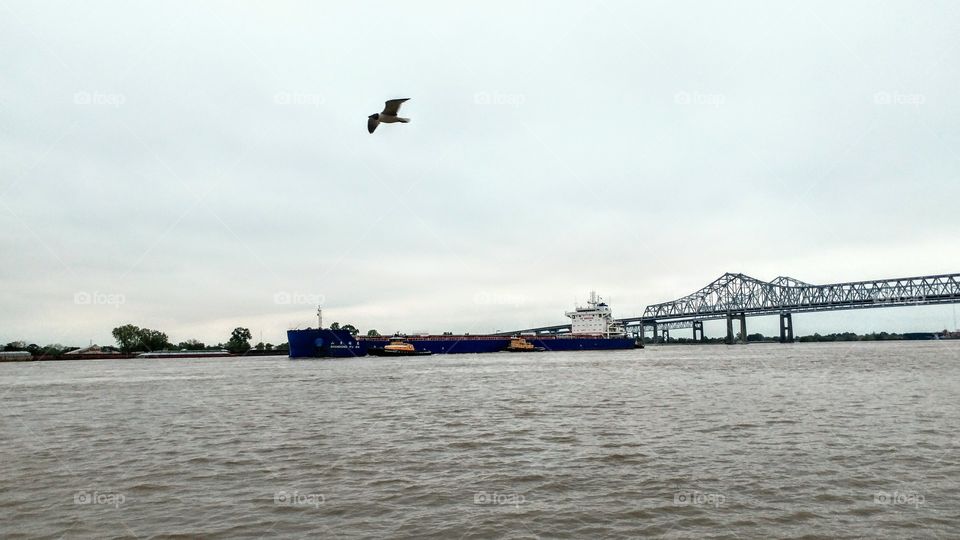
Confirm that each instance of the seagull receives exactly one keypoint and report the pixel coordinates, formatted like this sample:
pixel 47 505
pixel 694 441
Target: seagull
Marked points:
pixel 388 116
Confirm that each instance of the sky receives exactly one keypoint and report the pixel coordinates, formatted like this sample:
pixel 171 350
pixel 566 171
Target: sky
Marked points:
pixel 196 166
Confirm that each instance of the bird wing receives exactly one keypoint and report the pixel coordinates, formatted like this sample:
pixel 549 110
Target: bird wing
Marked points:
pixel 392 107
pixel 372 124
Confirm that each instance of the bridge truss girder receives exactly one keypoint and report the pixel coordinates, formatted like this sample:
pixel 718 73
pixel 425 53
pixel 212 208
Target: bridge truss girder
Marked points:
pixel 738 293
pixel 740 296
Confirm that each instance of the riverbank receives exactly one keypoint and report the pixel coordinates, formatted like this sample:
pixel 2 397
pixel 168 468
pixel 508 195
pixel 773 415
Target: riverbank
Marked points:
pixel 126 356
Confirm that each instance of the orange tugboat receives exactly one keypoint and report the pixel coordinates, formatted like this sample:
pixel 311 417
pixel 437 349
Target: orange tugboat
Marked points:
pixel 398 346
pixel 518 344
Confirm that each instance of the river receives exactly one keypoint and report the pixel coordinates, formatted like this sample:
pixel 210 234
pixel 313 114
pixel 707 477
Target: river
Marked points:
pixel 839 440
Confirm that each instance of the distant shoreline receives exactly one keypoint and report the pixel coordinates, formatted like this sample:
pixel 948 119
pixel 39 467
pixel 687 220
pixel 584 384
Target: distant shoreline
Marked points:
pixel 129 356
pixel 256 353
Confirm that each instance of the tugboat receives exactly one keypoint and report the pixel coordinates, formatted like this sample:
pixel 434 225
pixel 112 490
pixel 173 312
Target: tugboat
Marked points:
pixel 518 344
pixel 398 346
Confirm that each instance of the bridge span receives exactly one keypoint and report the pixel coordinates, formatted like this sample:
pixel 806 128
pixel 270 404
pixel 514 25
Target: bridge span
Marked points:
pixel 735 297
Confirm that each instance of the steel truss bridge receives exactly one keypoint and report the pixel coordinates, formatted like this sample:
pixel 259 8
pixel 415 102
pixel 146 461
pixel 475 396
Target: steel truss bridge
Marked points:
pixel 738 296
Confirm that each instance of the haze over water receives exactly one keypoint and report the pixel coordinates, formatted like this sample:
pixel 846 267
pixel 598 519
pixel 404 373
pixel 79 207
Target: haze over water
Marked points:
pixel 759 441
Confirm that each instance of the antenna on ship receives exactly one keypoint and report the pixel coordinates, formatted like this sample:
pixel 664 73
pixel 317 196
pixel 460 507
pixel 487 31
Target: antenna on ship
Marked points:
pixel 319 318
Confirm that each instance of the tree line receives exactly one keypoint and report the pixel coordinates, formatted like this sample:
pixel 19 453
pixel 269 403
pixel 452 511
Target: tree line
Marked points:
pixel 133 339
pixel 353 329
pixel 815 338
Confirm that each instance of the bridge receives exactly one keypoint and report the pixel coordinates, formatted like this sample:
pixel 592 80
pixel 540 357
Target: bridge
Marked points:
pixel 735 297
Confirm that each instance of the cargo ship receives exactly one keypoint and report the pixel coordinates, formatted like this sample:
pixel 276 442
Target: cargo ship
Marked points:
pixel 592 328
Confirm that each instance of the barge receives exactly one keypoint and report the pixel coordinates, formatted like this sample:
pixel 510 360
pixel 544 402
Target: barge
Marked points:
pixel 592 328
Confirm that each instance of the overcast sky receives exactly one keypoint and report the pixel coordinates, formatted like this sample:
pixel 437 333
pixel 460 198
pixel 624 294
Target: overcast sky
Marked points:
pixel 193 166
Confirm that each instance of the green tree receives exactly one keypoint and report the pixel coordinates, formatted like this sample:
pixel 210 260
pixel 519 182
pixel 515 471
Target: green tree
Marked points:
pixel 239 340
pixel 128 337
pixel 335 326
pixel 269 346
pixel 192 345
pixel 259 346
pixel 15 346
pixel 373 333
pixel 153 340
pixel 350 328
pixel 53 350
pixel 283 347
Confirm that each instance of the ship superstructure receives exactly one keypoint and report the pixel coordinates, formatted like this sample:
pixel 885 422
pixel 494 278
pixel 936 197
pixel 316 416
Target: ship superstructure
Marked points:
pixel 595 319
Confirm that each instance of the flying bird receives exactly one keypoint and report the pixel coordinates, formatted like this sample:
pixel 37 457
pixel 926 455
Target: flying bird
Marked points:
pixel 388 116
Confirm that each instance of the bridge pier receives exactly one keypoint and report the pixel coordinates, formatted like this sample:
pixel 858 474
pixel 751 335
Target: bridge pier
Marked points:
pixel 698 328
pixel 786 327
pixel 654 333
pixel 731 339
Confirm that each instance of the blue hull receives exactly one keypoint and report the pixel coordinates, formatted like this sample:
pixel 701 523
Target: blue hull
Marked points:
pixel 583 344
pixel 312 343
pixel 451 345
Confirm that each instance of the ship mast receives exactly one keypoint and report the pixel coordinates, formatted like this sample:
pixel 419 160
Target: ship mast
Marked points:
pixel 319 318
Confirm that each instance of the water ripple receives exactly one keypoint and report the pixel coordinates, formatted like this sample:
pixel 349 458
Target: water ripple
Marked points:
pixel 764 441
